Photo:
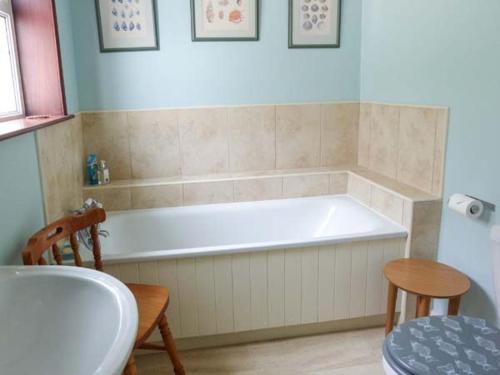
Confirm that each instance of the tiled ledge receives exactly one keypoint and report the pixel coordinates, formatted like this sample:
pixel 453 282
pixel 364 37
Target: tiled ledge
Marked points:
pixel 277 184
pixel 398 188
pixel 131 183
pixel 402 190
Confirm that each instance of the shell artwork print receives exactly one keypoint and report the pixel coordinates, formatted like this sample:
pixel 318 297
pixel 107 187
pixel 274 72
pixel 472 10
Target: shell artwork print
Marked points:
pixel 225 15
pixel 209 12
pixel 235 16
pixel 315 17
pixel 126 16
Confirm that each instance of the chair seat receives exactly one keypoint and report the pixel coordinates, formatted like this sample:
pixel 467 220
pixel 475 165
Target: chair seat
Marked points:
pixel 152 302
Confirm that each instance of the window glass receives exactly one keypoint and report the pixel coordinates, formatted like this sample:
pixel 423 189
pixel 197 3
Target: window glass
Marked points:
pixel 10 99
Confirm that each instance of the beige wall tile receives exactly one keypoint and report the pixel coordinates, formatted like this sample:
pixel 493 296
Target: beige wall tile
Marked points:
pixel 298 129
pixel 339 134
pixel 106 134
pixel 417 137
pixel 440 151
pixel 365 113
pixel 338 183
pixel 60 148
pixel 154 144
pixel 306 186
pixel 387 204
pixel 156 196
pixel 384 139
pixel 204 140
pixel 258 189
pixel 359 189
pixel 112 199
pixel 426 228
pixel 208 192
pixel 252 138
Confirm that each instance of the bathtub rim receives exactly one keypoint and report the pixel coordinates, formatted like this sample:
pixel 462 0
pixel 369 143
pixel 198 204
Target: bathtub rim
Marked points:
pixel 147 256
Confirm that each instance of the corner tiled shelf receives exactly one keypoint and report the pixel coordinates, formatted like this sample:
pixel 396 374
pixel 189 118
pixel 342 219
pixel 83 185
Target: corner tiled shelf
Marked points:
pixel 384 194
pixel 396 187
pixel 131 183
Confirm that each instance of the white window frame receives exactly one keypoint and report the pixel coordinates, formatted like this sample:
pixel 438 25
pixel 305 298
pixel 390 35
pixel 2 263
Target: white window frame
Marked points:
pixel 6 12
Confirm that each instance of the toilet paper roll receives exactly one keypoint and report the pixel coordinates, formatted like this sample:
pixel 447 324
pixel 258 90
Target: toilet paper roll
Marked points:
pixel 466 206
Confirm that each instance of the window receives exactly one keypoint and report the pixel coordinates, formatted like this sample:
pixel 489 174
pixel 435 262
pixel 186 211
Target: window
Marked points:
pixel 11 101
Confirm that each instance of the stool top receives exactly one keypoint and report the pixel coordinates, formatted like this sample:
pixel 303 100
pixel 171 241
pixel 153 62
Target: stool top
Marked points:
pixel 427 278
pixel 444 345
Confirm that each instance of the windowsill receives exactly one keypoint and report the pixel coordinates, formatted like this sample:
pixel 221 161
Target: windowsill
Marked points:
pixel 13 128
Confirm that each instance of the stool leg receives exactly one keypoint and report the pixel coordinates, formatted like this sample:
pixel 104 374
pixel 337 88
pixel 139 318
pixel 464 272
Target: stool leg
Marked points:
pixel 453 305
pixel 423 306
pixel 169 342
pixel 131 368
pixel 392 295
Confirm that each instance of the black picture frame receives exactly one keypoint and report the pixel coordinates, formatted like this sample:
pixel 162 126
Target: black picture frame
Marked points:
pixel 103 49
pixel 298 46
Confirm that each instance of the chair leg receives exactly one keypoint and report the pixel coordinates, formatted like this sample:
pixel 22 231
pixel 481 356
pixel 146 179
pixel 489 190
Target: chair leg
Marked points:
pixel 131 368
pixel 169 342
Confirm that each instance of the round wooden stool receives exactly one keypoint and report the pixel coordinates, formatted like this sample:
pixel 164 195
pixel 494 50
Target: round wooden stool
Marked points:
pixel 426 279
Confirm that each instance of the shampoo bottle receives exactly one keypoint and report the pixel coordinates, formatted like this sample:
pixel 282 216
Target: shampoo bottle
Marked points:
pixel 92 169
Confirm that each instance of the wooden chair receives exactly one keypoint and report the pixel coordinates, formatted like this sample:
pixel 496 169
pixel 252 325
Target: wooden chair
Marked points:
pixel 152 301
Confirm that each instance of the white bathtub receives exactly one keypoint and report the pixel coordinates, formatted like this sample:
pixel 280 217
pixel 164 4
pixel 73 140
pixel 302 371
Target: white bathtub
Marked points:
pixel 271 267
pixel 241 227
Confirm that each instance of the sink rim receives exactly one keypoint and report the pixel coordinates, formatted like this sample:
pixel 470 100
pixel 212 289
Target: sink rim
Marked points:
pixel 124 340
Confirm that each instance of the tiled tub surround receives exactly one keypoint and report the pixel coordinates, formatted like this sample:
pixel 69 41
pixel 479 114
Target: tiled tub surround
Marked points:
pixel 406 143
pixel 203 141
pixel 146 149
pixel 59 156
pixel 188 156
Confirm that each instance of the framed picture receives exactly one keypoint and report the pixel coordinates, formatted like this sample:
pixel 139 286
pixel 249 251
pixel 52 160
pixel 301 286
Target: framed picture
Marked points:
pixel 225 20
pixel 314 24
pixel 127 25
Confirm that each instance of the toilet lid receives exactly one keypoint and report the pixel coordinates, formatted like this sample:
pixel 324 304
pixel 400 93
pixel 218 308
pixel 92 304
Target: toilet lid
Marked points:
pixel 444 345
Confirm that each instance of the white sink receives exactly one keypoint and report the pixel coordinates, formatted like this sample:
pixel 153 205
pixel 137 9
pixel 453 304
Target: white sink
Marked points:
pixel 64 321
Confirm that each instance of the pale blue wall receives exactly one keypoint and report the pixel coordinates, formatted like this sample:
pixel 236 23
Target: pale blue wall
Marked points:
pixel 446 52
pixel 184 73
pixel 66 41
pixel 21 210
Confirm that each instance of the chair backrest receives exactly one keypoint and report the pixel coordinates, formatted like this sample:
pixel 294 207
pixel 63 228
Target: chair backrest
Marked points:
pixel 48 237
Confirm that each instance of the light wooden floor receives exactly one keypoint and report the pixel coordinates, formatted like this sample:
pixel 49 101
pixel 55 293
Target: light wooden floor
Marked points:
pixel 346 353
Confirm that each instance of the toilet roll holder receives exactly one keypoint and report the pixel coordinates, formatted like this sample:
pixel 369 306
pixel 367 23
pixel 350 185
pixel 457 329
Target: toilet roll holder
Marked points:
pixel 487 205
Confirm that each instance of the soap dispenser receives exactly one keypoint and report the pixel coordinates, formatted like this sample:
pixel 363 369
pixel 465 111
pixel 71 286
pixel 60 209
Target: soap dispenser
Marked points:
pixel 103 173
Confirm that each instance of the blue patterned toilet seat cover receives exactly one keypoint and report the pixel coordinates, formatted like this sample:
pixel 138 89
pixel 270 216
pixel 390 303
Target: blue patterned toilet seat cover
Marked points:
pixel 448 345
